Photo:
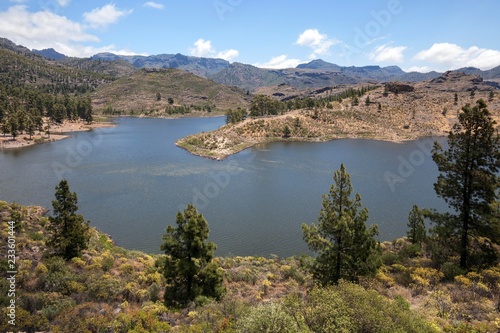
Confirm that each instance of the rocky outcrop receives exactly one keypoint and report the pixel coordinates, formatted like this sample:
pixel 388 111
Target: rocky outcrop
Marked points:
pixel 399 87
pixel 458 81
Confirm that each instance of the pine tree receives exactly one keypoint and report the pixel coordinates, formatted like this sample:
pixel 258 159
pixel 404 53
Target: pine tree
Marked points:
pixel 417 232
pixel 468 182
pixel 346 248
pixel 69 232
pixel 189 269
pixel 286 131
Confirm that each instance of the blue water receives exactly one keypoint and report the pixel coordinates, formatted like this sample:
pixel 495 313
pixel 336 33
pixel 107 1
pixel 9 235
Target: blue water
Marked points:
pixel 131 181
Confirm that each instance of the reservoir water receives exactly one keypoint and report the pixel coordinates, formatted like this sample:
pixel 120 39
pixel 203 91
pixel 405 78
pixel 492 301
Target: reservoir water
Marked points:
pixel 131 181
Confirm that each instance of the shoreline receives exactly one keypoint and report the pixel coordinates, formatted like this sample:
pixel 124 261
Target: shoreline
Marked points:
pixel 231 139
pixel 221 156
pixel 58 132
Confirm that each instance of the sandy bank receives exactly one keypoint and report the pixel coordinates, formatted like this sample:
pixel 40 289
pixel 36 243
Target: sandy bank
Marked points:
pixel 57 132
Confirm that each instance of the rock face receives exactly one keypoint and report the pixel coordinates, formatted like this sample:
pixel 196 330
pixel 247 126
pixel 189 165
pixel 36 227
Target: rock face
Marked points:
pixel 457 77
pixel 458 81
pixel 398 87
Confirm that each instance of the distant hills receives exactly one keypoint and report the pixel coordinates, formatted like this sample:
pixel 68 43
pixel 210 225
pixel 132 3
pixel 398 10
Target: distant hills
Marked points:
pixel 196 65
pixel 315 74
pixel 150 89
pixel 312 75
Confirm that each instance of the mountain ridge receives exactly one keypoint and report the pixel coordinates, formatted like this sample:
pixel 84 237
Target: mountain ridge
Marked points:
pixel 196 65
pixel 50 54
pixel 311 75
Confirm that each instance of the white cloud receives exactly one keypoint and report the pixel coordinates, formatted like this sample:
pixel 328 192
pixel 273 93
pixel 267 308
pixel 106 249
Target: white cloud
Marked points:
pixel 454 56
pixel 279 62
pixel 228 54
pixel 420 69
pixel 204 48
pixel 19 1
pixel 154 5
pixel 386 53
pixel 44 29
pixel 104 16
pixel 38 29
pixel 63 3
pixel 319 43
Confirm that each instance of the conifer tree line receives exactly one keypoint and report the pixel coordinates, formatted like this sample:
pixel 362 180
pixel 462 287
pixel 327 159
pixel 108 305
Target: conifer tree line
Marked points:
pixel 31 89
pixel 26 115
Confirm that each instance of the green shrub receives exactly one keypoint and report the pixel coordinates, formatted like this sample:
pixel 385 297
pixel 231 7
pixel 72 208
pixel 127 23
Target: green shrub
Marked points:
pixel 373 312
pixel 390 259
pixel 450 270
pixel 57 276
pixel 409 251
pixel 326 312
pixel 267 318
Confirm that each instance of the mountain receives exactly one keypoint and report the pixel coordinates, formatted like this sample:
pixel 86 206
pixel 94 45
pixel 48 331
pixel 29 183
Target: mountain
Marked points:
pixel 50 54
pixel 321 64
pixel 417 76
pixel 199 66
pixel 6 44
pixel 250 77
pixel 492 76
pixel 363 73
pixel 23 69
pixel 376 73
pixel 116 68
pixel 314 74
pixel 247 77
pixel 456 81
pixel 149 89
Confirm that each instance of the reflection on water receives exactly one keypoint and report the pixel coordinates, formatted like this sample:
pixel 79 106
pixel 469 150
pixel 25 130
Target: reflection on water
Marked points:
pixel 131 180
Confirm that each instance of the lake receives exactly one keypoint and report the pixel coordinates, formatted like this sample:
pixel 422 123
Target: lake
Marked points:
pixel 131 181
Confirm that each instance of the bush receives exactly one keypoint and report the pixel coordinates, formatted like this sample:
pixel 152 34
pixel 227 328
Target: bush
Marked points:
pixel 373 312
pixel 270 318
pixel 451 270
pixel 326 312
pixel 409 251
pixel 57 275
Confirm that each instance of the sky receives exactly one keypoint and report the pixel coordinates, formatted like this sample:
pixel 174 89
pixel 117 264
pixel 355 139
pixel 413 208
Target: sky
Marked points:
pixel 416 35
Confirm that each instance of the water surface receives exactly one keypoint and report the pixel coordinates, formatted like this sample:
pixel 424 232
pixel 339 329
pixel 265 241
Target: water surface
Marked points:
pixel 131 181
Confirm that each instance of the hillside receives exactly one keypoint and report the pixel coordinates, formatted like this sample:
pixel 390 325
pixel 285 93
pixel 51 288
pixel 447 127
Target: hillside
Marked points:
pixel 114 68
pixel 111 289
pixel 247 76
pixel 404 112
pixel 30 71
pixel 139 93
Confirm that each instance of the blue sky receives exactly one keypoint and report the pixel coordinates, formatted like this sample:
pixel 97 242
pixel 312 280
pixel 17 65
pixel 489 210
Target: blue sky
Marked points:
pixel 415 35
